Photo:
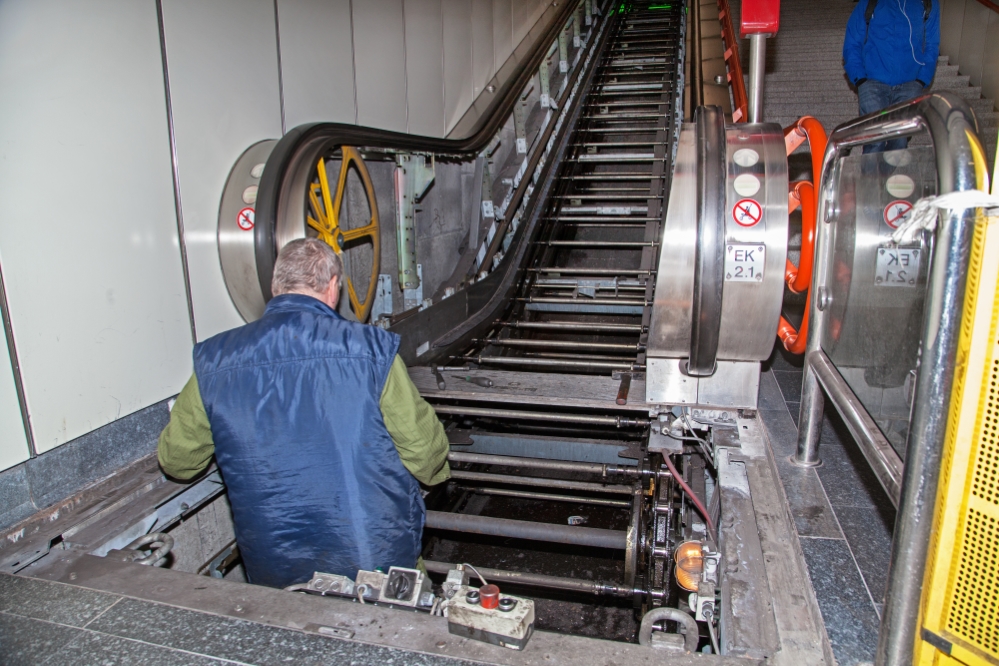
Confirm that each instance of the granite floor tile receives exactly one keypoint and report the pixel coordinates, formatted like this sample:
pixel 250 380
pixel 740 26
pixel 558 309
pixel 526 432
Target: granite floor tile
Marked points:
pixel 55 602
pixel 15 496
pixel 869 532
pixel 850 618
pixel 781 432
pixel 239 640
pixel 770 396
pixel 813 516
pixel 31 642
pixel 845 473
pixel 94 648
pixel 55 475
pixel 790 384
pixel 793 408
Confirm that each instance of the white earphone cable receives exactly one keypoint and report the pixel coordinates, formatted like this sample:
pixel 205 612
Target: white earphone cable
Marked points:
pixel 911 47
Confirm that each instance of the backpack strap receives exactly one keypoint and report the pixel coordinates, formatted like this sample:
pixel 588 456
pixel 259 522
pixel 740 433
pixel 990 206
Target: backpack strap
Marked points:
pixel 927 8
pixel 869 14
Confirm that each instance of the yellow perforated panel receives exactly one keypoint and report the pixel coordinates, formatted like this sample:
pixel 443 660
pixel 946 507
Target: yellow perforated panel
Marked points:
pixel 985 482
pixel 960 609
pixel 974 611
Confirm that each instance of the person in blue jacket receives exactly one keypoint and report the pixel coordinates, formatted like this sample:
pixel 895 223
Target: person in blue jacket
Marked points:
pixel 890 54
pixel 320 434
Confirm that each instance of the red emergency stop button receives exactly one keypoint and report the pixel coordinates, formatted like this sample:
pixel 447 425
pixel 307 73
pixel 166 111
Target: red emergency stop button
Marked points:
pixel 489 596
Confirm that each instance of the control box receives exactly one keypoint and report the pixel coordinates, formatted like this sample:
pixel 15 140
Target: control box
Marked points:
pixel 410 588
pixel 508 623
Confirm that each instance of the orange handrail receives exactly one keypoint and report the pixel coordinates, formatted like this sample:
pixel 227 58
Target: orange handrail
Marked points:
pixel 741 111
pixel 799 277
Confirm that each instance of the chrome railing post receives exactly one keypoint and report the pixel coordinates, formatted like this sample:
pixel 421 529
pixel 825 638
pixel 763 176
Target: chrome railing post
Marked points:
pixel 812 397
pixel 757 71
pixel 953 130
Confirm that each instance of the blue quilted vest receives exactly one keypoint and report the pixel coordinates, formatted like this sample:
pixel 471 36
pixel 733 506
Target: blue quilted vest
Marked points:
pixel 313 477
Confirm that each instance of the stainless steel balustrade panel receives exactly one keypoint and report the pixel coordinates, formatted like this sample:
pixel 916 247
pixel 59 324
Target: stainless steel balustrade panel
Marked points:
pixel 959 166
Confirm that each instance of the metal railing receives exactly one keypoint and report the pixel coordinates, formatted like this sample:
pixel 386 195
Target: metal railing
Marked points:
pixel 960 165
pixel 731 45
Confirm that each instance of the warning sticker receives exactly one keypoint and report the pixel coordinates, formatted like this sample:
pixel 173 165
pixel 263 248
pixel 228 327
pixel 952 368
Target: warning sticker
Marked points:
pixel 747 212
pixel 244 219
pixel 896 212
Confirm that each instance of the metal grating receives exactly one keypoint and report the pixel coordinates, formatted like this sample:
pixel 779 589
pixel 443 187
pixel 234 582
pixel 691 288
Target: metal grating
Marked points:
pixel 960 605
pixel 985 482
pixel 974 611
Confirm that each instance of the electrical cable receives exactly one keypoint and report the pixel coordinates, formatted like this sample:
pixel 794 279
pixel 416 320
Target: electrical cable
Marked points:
pixel 466 564
pixel 681 439
pixel 705 449
pixel 711 632
pixel 690 493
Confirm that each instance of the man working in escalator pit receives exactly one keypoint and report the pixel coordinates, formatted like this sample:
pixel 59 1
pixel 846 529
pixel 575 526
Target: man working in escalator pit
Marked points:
pixel 321 437
pixel 890 54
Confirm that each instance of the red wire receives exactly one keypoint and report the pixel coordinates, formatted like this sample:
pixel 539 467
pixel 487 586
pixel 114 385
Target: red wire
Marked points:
pixel 690 493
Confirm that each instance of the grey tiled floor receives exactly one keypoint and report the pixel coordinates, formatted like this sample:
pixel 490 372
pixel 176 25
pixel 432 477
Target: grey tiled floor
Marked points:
pixel 843 517
pixel 51 623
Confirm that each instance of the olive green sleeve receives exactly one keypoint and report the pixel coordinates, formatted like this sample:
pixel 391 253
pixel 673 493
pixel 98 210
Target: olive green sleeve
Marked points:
pixel 411 421
pixel 186 446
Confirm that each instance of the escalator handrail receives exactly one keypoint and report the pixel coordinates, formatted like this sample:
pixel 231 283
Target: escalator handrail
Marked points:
pixel 268 194
pixel 709 253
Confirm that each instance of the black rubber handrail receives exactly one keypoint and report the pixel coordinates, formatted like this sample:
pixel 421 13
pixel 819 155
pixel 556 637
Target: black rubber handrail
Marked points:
pixel 709 253
pixel 281 158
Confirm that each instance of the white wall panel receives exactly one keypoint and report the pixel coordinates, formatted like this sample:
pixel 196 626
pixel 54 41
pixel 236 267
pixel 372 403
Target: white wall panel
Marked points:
pixel 425 67
pixel 88 242
pixel 976 21
pixel 521 19
pixel 458 93
pixel 537 9
pixel 990 58
pixel 502 32
pixel 380 64
pixel 13 443
pixel 482 45
pixel 224 84
pixel 951 21
pixel 317 61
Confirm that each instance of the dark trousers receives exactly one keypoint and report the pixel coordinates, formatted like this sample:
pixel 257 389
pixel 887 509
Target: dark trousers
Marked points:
pixel 875 96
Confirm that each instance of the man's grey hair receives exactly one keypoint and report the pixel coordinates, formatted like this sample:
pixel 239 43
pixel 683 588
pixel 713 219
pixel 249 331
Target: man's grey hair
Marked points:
pixel 306 264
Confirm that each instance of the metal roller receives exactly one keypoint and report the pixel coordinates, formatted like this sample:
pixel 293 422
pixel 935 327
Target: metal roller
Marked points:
pixel 523 529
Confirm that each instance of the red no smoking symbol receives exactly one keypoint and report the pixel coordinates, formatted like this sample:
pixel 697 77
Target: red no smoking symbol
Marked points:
pixel 747 212
pixel 896 212
pixel 244 219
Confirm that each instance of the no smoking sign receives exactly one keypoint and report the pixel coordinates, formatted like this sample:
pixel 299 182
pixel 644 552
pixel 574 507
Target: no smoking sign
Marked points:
pixel 747 212
pixel 244 219
pixel 896 212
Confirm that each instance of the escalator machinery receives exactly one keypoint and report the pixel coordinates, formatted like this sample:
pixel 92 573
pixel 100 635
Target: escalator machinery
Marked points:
pixel 671 308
